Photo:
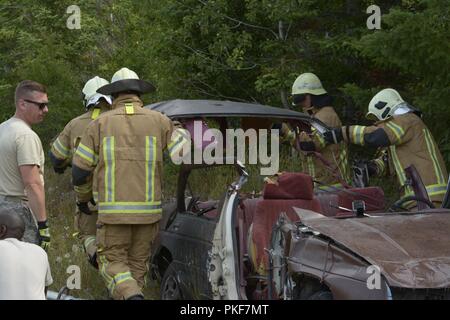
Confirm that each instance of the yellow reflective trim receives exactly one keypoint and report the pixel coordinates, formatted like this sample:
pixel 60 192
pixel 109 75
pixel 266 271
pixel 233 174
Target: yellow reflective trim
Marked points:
pixel 108 279
pixel 436 189
pixel 95 113
pixel 343 162
pixel 399 170
pixel 87 149
pixel 61 149
pixel 150 168
pixel 95 195
pixel 122 277
pixel 311 167
pixel 126 203
pixel 331 187
pixel 113 169
pixel 129 108
pixel 147 160
pixel 321 140
pixel 155 149
pixel 83 188
pixel 358 135
pixel 396 129
pixel 107 168
pixel 355 129
pixel 434 158
pixel 130 207
pixel 398 166
pixel 131 211
pixel 180 138
pixel 110 168
pixel 86 154
pixel 88 241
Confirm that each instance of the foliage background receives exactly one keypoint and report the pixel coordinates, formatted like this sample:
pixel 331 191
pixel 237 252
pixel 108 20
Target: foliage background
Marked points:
pixel 248 50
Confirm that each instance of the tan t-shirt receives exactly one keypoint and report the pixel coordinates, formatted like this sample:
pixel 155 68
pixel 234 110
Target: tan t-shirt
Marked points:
pixel 19 145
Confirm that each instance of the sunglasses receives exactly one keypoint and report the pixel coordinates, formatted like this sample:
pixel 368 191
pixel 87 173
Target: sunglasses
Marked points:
pixel 41 105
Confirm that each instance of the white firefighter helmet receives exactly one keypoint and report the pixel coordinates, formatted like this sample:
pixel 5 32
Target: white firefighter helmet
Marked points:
pixel 90 91
pixel 125 80
pixel 308 83
pixel 383 104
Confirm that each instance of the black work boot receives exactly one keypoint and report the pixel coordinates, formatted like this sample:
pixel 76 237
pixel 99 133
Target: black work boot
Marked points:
pixel 136 297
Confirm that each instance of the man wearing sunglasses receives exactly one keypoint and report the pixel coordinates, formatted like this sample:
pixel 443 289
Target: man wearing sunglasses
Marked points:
pixel 22 162
pixel 309 96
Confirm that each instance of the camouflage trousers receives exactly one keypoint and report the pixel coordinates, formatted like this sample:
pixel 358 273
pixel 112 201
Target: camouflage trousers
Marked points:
pixel 20 207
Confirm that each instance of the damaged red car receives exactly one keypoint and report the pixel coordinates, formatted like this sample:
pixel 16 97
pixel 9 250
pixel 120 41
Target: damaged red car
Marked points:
pixel 288 241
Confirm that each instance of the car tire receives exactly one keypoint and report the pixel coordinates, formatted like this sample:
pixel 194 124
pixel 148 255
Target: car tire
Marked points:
pixel 170 286
pixel 321 295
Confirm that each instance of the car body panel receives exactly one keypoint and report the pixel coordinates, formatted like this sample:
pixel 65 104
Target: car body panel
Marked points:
pixel 412 251
pixel 188 239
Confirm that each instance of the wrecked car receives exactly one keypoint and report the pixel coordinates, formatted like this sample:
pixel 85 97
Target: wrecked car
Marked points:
pixel 290 242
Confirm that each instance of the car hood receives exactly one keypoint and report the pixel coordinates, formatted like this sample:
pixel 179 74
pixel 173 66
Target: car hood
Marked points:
pixel 412 251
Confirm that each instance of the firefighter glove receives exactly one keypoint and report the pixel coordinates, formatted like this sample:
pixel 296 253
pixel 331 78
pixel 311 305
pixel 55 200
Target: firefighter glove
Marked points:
pixel 307 146
pixel 59 170
pixel 84 207
pixel 372 168
pixel 333 136
pixel 44 235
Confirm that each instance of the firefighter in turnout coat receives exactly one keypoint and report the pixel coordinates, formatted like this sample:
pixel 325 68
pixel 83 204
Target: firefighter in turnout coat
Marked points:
pixel 309 95
pixel 399 129
pixel 126 146
pixel 61 153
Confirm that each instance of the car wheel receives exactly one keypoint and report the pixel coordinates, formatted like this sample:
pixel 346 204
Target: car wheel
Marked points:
pixel 170 287
pixel 321 295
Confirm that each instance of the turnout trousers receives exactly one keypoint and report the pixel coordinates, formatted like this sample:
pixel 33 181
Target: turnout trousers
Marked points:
pixel 86 229
pixel 122 256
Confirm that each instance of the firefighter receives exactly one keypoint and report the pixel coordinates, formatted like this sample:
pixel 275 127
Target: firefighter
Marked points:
pixel 400 129
pixel 126 146
pixel 61 153
pixel 309 95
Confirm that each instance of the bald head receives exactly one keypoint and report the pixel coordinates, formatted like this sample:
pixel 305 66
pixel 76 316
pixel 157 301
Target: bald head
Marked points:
pixel 11 225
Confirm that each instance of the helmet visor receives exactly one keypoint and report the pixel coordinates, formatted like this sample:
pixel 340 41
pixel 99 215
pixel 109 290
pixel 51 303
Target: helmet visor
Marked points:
pixel 297 99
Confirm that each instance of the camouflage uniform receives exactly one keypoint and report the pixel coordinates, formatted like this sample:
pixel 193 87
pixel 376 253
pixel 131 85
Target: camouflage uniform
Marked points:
pixel 20 207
